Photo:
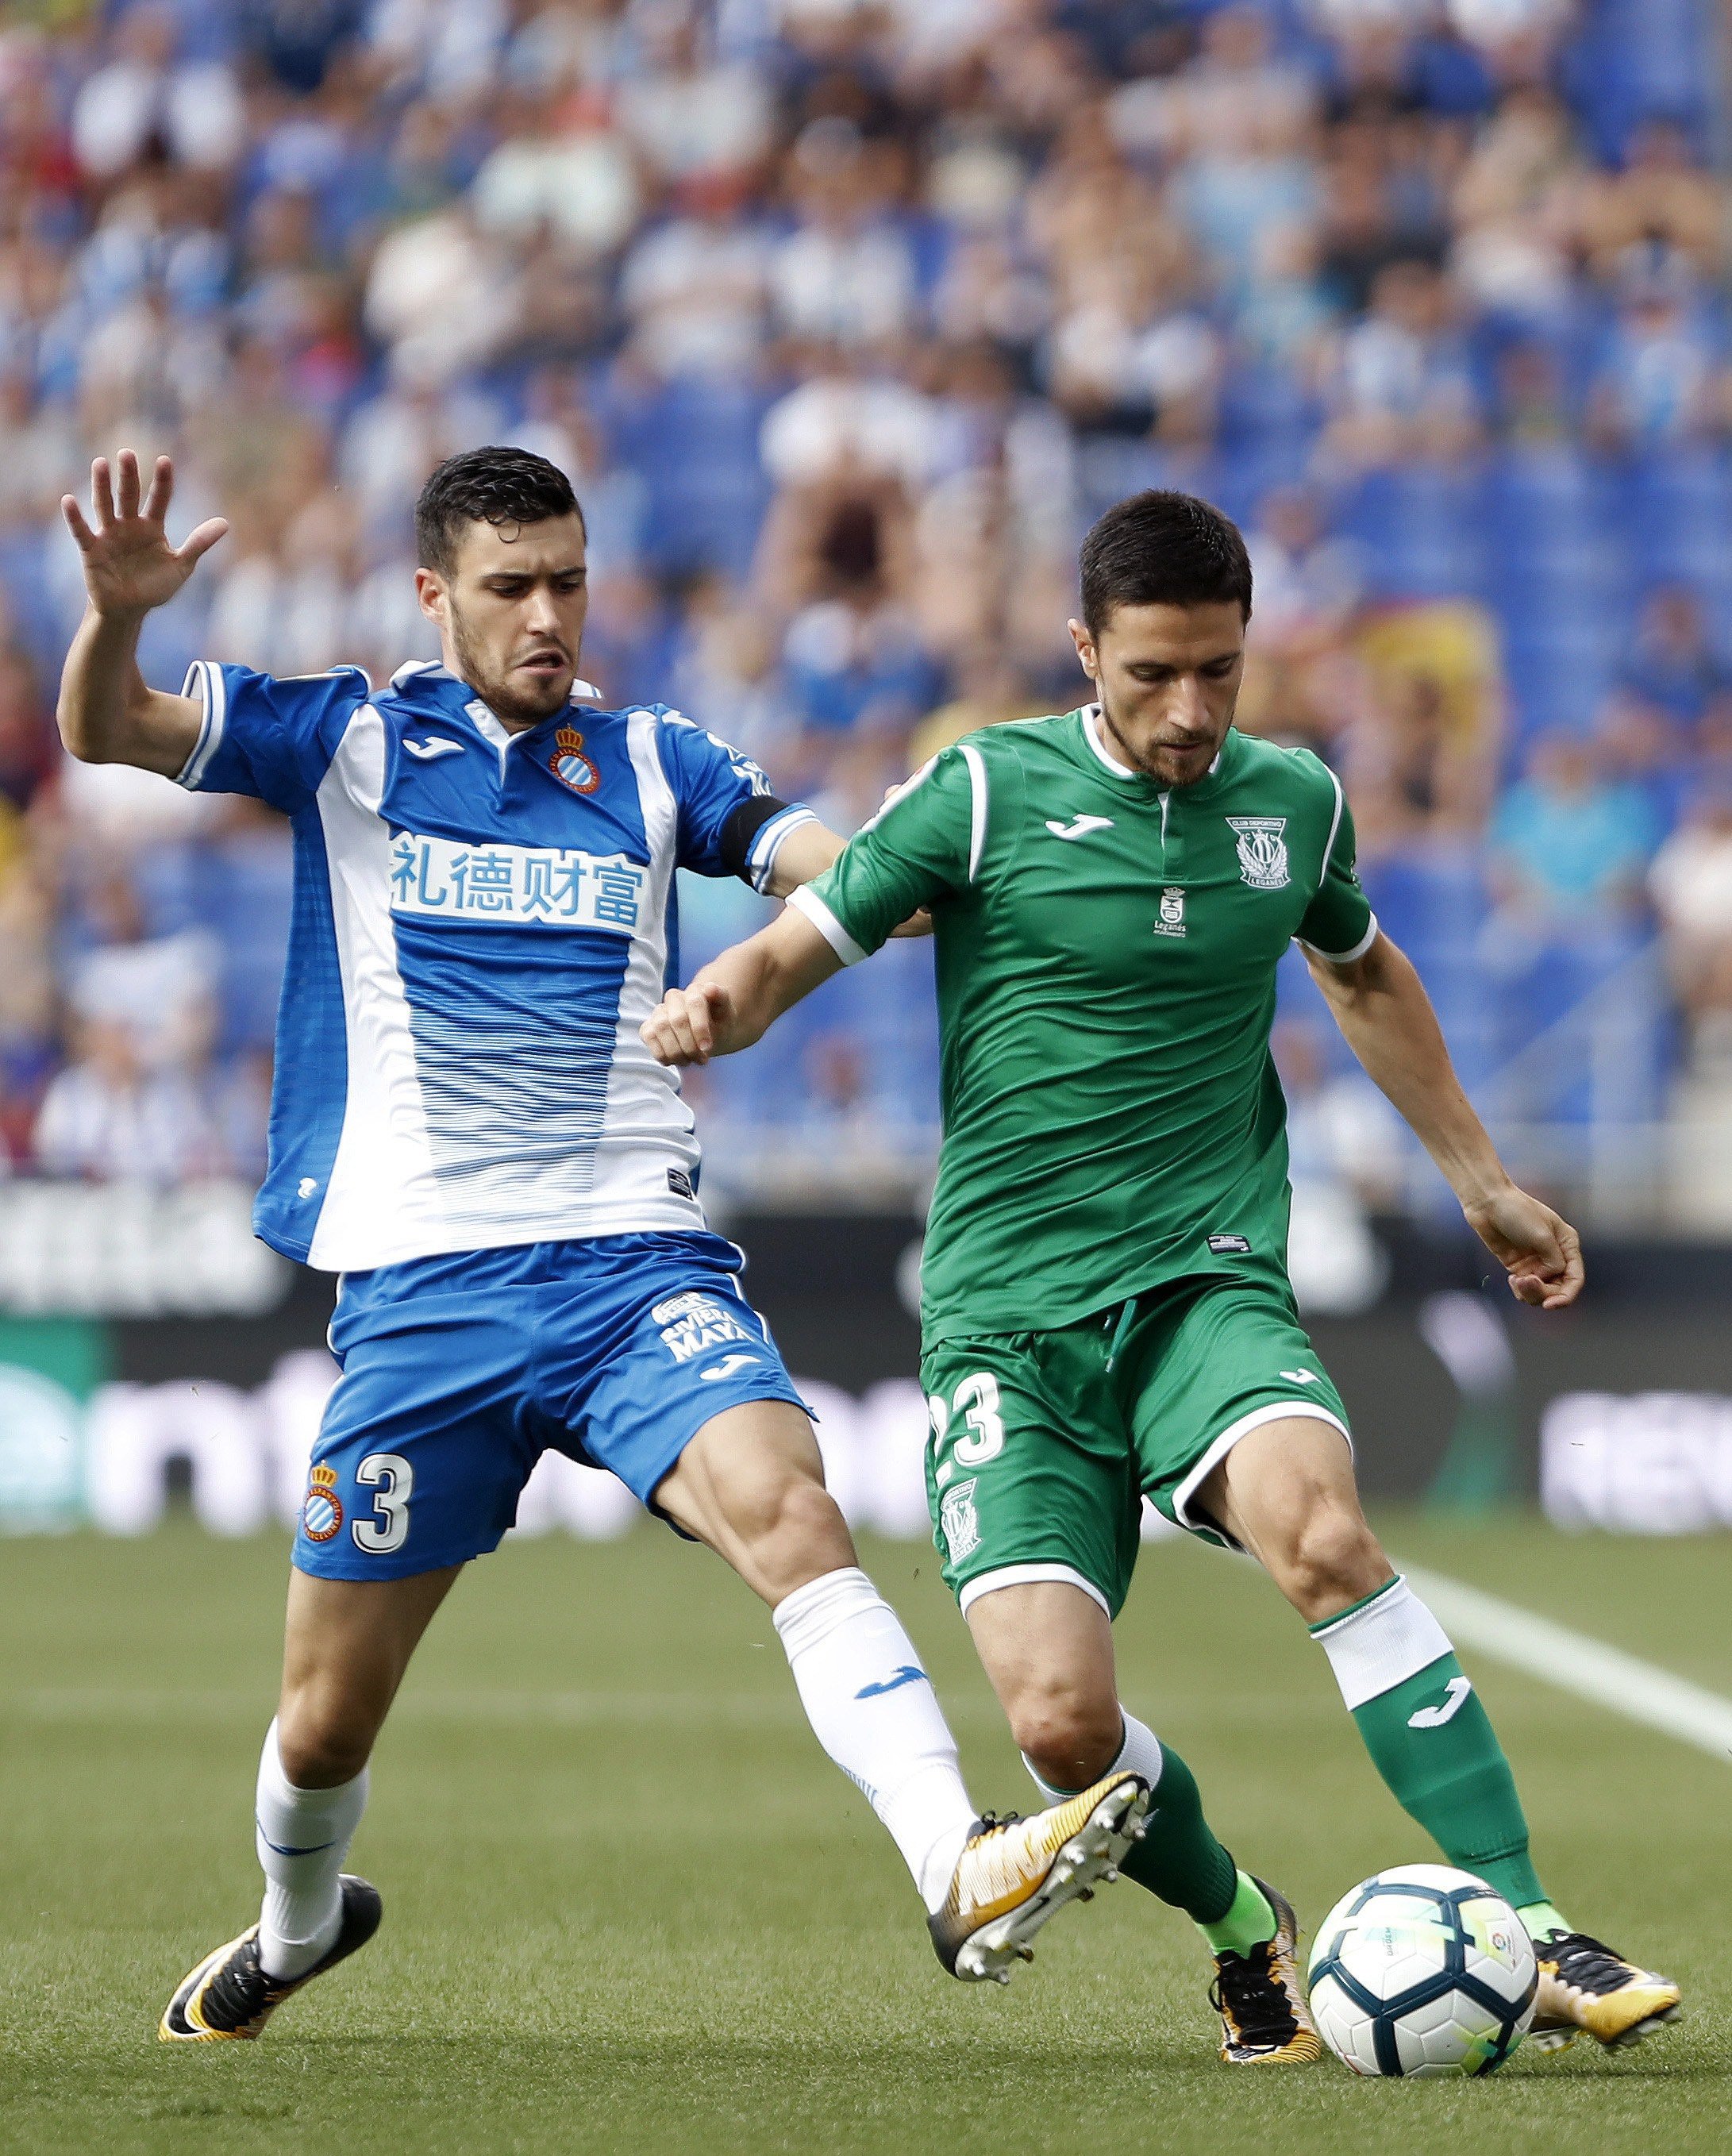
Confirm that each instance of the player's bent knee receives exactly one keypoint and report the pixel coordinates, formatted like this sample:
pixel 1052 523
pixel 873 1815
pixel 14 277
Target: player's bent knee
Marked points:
pixel 1069 1739
pixel 805 1531
pixel 1332 1561
pixel 322 1741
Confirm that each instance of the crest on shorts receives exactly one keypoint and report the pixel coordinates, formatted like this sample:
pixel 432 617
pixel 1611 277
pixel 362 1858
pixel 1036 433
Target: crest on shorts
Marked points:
pixel 321 1512
pixel 960 1521
pixel 570 765
pixel 1263 852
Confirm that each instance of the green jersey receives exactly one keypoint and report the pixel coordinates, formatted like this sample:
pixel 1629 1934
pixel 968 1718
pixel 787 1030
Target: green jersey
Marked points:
pixel 1106 956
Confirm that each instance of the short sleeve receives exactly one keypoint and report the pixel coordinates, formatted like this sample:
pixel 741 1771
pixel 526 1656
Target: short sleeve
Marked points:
pixel 1338 923
pixel 731 821
pixel 921 849
pixel 271 738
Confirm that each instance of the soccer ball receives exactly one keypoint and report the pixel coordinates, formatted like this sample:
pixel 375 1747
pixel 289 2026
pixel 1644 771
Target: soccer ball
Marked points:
pixel 1422 1970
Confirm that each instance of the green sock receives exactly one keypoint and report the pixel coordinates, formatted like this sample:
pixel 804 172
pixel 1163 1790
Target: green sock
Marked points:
pixel 1179 1858
pixel 1249 1923
pixel 1433 1743
pixel 1541 1919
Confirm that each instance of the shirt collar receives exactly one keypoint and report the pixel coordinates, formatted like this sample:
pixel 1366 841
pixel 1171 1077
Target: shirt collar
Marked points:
pixel 1092 734
pixel 429 680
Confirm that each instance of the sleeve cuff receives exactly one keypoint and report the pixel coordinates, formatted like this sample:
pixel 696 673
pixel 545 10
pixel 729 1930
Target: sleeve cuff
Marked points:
pixel 760 861
pixel 204 679
pixel 827 925
pixel 1342 957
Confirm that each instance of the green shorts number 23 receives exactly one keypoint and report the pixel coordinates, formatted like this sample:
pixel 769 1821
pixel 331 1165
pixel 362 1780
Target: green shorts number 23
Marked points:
pixel 1043 1445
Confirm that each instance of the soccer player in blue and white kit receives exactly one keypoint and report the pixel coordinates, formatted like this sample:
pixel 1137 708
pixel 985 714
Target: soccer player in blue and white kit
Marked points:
pixel 467 1127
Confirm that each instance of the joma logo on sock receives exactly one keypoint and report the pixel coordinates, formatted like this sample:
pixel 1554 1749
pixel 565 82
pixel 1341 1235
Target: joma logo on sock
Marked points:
pixel 907 1675
pixel 1434 1717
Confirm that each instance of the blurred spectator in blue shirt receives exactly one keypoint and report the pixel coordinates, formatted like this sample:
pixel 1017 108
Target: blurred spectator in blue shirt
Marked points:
pixel 1674 663
pixel 1567 847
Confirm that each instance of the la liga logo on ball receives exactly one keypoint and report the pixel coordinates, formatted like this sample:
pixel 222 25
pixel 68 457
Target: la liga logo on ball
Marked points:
pixel 570 765
pixel 321 1512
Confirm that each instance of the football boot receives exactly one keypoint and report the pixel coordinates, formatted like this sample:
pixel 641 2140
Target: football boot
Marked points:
pixel 1585 1986
pixel 1014 1873
pixel 1264 2018
pixel 228 1997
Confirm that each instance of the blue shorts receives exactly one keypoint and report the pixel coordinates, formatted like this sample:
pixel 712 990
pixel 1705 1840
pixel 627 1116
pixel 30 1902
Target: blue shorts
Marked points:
pixel 460 1372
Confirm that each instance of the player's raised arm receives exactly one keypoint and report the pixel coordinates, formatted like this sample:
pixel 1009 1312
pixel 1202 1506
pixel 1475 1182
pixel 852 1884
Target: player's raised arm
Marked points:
pixel 734 1000
pixel 1380 1003
pixel 107 712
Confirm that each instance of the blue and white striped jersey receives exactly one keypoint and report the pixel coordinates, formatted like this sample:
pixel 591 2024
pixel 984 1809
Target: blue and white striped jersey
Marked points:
pixel 482 921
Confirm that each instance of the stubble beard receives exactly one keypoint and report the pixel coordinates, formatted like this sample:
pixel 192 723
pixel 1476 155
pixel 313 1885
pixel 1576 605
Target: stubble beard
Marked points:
pixel 514 705
pixel 1141 765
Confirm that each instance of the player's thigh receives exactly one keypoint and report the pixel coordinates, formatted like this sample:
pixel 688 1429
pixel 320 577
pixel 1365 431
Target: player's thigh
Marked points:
pixel 749 1483
pixel 1030 1475
pixel 1287 1494
pixel 1205 1369
pixel 420 1456
pixel 663 1374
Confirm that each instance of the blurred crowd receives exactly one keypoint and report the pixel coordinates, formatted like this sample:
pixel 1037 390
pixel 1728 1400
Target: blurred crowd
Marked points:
pixel 846 317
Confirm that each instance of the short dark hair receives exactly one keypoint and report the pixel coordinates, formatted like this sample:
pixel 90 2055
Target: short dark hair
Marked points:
pixel 1160 548
pixel 492 485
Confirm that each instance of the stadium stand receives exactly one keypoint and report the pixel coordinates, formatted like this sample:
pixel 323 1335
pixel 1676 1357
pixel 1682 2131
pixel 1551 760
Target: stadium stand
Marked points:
pixel 846 317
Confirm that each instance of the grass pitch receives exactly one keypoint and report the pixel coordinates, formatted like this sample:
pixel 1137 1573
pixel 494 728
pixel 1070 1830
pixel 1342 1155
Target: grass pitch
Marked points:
pixel 629 1906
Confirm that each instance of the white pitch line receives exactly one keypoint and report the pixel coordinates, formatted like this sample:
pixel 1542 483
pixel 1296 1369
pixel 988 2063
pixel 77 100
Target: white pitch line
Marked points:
pixel 1640 1691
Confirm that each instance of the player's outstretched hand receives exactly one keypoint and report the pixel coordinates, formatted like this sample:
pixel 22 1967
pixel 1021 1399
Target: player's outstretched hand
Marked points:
pixel 688 1025
pixel 130 567
pixel 1540 1251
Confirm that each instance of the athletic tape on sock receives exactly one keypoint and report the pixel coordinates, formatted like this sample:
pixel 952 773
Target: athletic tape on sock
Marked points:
pixel 1381 1642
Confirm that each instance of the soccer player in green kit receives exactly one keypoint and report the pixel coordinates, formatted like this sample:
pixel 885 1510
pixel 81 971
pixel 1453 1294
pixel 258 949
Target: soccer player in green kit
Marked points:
pixel 1105 1307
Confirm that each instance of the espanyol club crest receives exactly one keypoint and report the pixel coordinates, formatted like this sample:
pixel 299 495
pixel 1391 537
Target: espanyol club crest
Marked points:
pixel 570 765
pixel 321 1512
pixel 1263 852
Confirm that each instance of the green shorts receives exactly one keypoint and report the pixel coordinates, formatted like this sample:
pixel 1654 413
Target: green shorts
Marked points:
pixel 1043 1445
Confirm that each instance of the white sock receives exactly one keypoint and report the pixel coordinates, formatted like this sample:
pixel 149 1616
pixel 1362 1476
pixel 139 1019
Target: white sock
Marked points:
pixel 303 1836
pixel 1140 1753
pixel 1381 1642
pixel 873 1708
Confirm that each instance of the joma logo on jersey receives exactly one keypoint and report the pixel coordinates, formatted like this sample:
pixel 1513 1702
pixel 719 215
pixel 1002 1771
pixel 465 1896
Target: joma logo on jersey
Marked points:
pixel 1171 922
pixel 700 1324
pixel 1263 852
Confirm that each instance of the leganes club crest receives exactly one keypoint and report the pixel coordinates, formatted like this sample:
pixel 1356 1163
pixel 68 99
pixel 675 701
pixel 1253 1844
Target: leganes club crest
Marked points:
pixel 1171 922
pixel 570 765
pixel 1263 852
pixel 960 1521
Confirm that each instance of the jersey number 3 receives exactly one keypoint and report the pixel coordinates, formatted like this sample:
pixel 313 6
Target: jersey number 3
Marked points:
pixel 392 1481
